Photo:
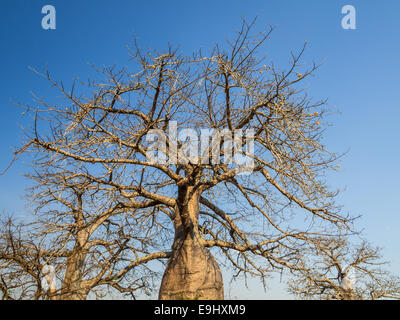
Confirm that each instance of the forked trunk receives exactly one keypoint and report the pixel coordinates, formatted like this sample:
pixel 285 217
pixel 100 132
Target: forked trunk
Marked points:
pixel 192 273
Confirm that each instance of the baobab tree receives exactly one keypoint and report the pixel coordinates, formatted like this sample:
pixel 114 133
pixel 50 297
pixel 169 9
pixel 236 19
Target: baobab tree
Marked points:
pixel 87 243
pixel 335 269
pixel 26 275
pixel 118 135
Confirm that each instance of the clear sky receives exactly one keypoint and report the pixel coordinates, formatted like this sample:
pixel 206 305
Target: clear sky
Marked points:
pixel 358 77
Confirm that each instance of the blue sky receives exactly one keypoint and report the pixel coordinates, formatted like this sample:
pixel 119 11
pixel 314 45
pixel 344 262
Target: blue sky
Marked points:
pixel 359 77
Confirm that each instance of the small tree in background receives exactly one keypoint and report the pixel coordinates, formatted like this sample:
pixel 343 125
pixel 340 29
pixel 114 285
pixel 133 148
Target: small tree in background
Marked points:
pixel 336 269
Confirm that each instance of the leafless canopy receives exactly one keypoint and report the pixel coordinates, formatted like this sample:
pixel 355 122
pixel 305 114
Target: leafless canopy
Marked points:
pixel 91 168
pixel 336 269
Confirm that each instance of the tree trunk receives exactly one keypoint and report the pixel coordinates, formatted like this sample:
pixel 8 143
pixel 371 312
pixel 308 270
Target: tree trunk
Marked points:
pixel 192 273
pixel 71 287
pixel 348 294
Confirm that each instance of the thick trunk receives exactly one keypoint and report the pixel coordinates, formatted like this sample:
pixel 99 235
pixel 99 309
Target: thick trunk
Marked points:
pixel 192 273
pixel 348 295
pixel 71 287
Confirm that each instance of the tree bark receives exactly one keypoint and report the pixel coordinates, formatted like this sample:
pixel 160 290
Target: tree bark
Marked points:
pixel 71 287
pixel 192 273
